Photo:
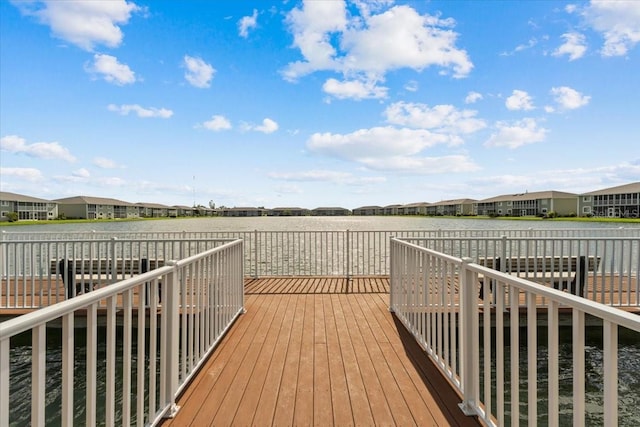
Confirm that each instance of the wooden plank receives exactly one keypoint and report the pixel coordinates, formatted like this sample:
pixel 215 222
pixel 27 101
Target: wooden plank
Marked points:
pixel 360 403
pixel 385 378
pixel 304 405
pixel 340 401
pixel 263 413
pixel 255 387
pixel 373 388
pixel 322 407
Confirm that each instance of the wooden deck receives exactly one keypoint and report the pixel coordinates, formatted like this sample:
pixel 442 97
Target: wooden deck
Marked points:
pixel 319 352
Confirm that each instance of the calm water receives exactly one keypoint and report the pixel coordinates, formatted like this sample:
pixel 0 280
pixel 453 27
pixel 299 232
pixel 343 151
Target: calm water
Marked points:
pixel 358 223
pixel 629 357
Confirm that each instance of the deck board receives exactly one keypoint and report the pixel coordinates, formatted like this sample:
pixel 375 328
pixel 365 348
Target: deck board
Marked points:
pixel 318 358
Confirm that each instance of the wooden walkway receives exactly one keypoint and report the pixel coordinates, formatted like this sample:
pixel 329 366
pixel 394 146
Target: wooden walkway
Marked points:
pixel 319 352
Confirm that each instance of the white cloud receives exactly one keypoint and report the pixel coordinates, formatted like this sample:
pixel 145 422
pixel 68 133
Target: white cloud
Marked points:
pixel 473 97
pixel 217 123
pixel 445 119
pixel 105 163
pixel 28 174
pixel 383 148
pixel 82 23
pixel 519 100
pixel 365 47
pixel 246 23
pixel 111 70
pixel 354 89
pixel 81 173
pixel 568 98
pixel 411 86
pixel 574 46
pixel 618 22
pixel 125 109
pixel 423 165
pixel 325 176
pixel 517 134
pixel 199 73
pixel 42 150
pixel 267 126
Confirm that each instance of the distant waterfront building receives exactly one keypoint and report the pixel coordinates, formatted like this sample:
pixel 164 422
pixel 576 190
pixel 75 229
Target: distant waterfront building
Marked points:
pixel 156 210
pixel 622 201
pixel 241 212
pixel 330 211
pixel 288 212
pixel 368 211
pixel 184 210
pixel 455 207
pixel 536 203
pixel 86 207
pixel 419 208
pixel 391 210
pixel 26 207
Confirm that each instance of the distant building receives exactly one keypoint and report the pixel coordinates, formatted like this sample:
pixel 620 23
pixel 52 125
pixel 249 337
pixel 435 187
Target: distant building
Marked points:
pixel 368 211
pixel 156 210
pixel 330 211
pixel 391 210
pixel 86 207
pixel 537 203
pixel 456 207
pixel 413 209
pixel 27 208
pixel 184 210
pixel 288 212
pixel 241 212
pixel 622 201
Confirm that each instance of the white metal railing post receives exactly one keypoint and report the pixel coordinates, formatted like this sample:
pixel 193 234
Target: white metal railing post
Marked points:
pixel 610 364
pixel 503 253
pixel 256 252
pixel 392 274
pixel 112 265
pixel 171 292
pixel 4 381
pixel 348 254
pixel 469 349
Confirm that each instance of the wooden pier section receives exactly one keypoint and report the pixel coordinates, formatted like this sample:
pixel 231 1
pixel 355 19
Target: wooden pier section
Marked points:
pixel 319 351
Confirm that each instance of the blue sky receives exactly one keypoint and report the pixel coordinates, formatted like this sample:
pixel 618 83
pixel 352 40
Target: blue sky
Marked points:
pixel 317 103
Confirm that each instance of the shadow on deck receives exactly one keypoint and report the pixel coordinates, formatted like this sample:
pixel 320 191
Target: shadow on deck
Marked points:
pixel 319 351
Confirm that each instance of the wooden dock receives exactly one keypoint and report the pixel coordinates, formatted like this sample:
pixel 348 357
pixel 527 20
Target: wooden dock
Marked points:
pixel 319 352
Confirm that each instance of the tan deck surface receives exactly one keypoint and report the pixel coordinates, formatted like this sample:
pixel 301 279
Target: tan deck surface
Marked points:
pixel 318 352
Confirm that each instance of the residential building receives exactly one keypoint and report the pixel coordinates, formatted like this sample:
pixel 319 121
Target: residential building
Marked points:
pixel 455 207
pixel 622 201
pixel 330 211
pixel 391 210
pixel 419 208
pixel 538 203
pixel 27 208
pixel 368 211
pixel 241 212
pixel 288 212
pixel 86 207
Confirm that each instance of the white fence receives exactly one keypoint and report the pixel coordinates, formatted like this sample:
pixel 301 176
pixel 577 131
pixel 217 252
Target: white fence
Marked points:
pixel 31 273
pixel 321 253
pixel 145 336
pixel 436 297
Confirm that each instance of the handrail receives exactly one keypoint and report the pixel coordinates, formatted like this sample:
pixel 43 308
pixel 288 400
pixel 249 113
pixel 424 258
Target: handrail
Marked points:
pixel 25 267
pixel 207 287
pixel 436 297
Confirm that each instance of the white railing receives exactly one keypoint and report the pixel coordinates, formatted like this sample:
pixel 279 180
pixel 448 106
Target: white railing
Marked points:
pixel 146 336
pixel 31 273
pixel 38 273
pixel 320 253
pixel 476 341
